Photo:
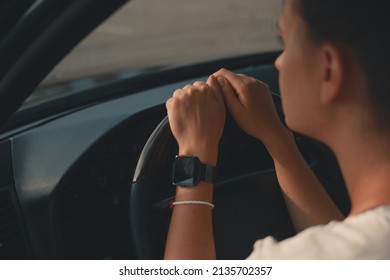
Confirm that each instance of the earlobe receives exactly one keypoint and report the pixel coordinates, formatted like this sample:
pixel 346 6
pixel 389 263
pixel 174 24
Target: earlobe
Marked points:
pixel 332 73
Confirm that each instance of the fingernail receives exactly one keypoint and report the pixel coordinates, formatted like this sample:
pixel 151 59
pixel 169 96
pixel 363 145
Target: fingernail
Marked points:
pixel 221 81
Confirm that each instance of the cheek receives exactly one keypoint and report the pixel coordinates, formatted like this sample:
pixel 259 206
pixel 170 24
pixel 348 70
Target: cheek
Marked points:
pixel 288 83
pixel 295 92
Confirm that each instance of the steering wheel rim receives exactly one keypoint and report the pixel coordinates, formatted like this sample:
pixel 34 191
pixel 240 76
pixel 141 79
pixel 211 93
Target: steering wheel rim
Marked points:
pixel 152 157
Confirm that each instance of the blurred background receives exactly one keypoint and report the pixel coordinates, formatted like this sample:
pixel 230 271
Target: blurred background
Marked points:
pixel 148 35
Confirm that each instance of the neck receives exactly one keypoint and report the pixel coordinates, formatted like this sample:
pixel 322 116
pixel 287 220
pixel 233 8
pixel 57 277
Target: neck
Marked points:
pixel 364 160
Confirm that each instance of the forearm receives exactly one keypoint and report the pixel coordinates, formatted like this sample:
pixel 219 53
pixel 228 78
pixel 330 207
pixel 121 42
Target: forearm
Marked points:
pixel 306 200
pixel 190 233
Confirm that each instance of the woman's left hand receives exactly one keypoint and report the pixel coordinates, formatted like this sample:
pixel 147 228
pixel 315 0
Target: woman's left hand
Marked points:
pixel 196 115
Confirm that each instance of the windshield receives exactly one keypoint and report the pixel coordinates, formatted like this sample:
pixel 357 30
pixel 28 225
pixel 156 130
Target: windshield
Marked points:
pixel 152 35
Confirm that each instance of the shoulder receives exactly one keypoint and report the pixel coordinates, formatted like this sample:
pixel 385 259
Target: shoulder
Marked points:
pixel 364 236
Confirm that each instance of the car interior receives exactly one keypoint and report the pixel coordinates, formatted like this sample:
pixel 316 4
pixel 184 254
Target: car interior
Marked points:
pixel 93 181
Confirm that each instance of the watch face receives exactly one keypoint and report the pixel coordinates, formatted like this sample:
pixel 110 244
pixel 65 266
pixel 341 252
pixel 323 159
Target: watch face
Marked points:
pixel 185 171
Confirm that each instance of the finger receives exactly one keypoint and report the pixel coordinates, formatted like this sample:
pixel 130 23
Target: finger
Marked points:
pixel 200 84
pixel 229 74
pixel 209 80
pixel 168 103
pixel 230 97
pixel 213 83
pixel 186 87
pixel 202 88
pixel 236 80
pixel 177 93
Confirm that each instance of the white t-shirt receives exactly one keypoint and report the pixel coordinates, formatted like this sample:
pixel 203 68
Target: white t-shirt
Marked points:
pixel 364 236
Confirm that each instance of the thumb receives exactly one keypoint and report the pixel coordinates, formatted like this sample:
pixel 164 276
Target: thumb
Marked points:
pixel 212 82
pixel 231 99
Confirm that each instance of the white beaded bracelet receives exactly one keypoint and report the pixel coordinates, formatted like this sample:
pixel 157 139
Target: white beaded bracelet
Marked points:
pixel 193 202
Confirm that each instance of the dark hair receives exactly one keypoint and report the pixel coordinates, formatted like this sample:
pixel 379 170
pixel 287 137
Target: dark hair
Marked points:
pixel 364 27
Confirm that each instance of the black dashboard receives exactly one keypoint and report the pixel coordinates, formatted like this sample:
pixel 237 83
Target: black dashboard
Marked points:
pixel 94 200
pixel 69 178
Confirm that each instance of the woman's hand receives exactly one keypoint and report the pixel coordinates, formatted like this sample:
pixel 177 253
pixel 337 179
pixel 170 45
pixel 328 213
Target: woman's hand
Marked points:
pixel 197 116
pixel 251 105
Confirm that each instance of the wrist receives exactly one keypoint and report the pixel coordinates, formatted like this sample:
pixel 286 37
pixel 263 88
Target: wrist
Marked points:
pixel 203 191
pixel 279 140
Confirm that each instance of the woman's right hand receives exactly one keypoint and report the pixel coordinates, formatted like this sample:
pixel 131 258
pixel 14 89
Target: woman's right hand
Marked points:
pixel 251 105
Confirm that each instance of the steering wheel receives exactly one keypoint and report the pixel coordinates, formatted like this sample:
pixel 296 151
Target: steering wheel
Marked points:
pixel 249 203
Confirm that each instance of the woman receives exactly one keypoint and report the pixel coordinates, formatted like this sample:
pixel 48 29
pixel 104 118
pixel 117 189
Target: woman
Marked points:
pixel 334 87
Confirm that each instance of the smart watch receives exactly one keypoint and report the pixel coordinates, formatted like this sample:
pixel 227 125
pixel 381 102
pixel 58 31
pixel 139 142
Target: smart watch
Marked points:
pixel 188 171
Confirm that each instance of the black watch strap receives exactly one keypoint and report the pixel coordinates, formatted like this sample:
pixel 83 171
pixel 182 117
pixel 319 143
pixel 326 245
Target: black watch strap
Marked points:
pixel 188 171
pixel 208 173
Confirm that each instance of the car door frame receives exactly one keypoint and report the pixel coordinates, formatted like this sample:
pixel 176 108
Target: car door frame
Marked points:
pixel 44 33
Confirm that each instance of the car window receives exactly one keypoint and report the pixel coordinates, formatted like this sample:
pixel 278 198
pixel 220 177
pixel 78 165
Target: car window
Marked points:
pixel 149 35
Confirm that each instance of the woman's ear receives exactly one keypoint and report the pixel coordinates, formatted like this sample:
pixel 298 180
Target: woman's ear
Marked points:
pixel 332 73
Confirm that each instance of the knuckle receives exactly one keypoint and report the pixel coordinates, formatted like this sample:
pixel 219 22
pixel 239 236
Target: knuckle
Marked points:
pixel 177 92
pixel 198 83
pixel 173 102
pixel 245 84
pixel 262 83
pixel 221 72
pixel 191 91
pixel 200 86
pixel 168 103
pixel 187 87
pixel 203 87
